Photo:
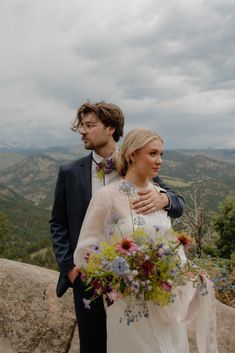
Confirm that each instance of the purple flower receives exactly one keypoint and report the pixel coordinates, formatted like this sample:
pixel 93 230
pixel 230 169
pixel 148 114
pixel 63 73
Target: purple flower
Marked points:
pixel 135 286
pixel 106 166
pixel 106 289
pixel 173 272
pixel 109 301
pixel 96 249
pixel 96 283
pixel 157 228
pixel 114 295
pixel 106 265
pixel 86 303
pixel 160 252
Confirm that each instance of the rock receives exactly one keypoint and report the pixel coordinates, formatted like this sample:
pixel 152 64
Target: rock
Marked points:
pixel 32 318
pixel 225 319
pixel 75 343
pixel 225 328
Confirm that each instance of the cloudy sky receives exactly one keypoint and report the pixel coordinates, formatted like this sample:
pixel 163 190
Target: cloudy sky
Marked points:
pixel 169 64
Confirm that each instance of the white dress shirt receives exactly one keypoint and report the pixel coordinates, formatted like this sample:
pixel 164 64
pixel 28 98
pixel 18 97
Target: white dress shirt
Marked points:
pixel 98 183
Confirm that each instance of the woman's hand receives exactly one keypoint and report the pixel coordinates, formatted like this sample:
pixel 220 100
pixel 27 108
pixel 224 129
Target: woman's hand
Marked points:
pixel 150 201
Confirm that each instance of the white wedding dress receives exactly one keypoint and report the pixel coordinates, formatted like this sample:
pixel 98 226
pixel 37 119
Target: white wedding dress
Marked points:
pixel 164 331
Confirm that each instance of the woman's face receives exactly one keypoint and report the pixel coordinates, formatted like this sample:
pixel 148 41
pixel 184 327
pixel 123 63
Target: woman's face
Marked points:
pixel 147 160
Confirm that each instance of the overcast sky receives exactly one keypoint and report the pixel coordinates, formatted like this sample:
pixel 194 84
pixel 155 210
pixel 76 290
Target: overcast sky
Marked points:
pixel 169 64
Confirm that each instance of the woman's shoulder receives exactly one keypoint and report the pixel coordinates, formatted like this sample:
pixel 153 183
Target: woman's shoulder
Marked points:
pixel 159 188
pixel 109 189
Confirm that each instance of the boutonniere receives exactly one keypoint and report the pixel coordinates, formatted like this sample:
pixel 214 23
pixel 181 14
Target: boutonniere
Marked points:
pixel 106 166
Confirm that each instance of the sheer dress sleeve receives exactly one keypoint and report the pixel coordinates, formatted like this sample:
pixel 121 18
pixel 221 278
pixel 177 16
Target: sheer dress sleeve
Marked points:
pixel 94 228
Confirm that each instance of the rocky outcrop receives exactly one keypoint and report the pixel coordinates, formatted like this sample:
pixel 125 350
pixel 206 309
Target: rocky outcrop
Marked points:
pixel 225 318
pixel 32 318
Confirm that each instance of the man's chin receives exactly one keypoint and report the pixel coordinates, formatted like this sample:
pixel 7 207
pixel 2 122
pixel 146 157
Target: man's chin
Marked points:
pixel 88 147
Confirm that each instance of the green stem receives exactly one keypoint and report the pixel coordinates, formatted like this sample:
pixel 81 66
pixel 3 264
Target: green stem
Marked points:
pixel 133 228
pixel 120 230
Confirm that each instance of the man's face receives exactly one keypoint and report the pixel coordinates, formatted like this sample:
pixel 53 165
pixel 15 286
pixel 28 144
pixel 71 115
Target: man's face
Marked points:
pixel 94 132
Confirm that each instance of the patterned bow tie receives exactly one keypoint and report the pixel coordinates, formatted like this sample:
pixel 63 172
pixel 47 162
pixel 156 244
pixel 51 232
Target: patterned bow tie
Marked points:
pixel 106 166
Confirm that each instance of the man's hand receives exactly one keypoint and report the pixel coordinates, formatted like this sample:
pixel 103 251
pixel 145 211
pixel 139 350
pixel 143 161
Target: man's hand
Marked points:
pixel 150 201
pixel 72 275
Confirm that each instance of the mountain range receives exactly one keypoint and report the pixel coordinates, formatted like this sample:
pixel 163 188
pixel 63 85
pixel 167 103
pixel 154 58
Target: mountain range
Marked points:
pixel 28 177
pixel 32 175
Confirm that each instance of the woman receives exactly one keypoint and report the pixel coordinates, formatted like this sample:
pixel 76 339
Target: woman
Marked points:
pixel 164 331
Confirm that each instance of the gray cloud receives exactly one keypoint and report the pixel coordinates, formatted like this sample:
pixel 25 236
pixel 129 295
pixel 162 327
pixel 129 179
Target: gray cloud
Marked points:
pixel 169 65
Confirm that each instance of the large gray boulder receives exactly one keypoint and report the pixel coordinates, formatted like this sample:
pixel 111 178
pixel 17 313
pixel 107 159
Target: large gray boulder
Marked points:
pixel 32 318
pixel 225 318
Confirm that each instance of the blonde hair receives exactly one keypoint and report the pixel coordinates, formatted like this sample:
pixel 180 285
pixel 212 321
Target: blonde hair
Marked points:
pixel 134 141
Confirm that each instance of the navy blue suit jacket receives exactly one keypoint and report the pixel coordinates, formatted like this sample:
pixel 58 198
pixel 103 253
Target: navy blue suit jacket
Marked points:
pixel 72 197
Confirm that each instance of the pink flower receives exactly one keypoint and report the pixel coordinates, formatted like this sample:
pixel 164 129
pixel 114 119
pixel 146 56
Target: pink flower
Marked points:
pixel 126 246
pixel 167 286
pixel 86 257
pixel 113 295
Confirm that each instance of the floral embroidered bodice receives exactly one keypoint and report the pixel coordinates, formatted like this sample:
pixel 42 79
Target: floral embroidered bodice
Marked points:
pixel 110 214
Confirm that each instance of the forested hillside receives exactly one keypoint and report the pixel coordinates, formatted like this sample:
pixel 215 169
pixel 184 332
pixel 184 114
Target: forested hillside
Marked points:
pixel 27 184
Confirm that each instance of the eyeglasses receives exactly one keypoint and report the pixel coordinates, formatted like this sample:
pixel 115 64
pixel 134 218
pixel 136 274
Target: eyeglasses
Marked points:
pixel 86 127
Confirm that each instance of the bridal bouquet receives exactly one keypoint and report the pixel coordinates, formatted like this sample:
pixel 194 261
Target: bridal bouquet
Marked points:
pixel 138 268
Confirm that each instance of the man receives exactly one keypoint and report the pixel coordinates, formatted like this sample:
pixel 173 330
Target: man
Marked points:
pixel 101 126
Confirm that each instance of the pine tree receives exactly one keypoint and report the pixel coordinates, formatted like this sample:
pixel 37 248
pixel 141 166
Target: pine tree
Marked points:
pixel 3 234
pixel 224 223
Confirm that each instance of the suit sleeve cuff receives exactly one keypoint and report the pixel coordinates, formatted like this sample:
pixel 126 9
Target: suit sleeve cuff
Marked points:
pixel 168 207
pixel 66 267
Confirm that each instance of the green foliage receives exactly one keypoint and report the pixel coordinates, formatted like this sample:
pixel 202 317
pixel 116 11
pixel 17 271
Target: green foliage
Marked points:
pixel 224 223
pixel 24 231
pixel 3 234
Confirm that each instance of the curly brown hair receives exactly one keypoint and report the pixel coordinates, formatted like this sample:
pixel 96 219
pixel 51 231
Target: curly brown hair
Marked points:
pixel 108 113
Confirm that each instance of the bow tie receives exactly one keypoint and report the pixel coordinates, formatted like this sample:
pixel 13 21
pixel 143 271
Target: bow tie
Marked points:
pixel 106 166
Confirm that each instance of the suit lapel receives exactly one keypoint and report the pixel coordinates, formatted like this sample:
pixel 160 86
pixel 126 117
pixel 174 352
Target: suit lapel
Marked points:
pixel 85 177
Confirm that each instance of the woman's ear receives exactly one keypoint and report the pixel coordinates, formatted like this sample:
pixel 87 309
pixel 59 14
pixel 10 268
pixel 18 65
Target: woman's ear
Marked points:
pixel 132 157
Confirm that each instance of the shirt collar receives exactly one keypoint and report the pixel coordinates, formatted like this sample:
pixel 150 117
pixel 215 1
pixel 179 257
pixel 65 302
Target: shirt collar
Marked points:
pixel 98 158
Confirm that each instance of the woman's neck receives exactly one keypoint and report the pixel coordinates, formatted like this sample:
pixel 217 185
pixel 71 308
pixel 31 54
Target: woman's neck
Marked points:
pixel 136 179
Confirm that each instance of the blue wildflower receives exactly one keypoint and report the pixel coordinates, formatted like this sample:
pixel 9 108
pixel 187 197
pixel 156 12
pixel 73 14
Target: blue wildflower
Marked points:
pixel 120 266
pixel 139 221
pixel 126 187
pixel 202 288
pixel 113 219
